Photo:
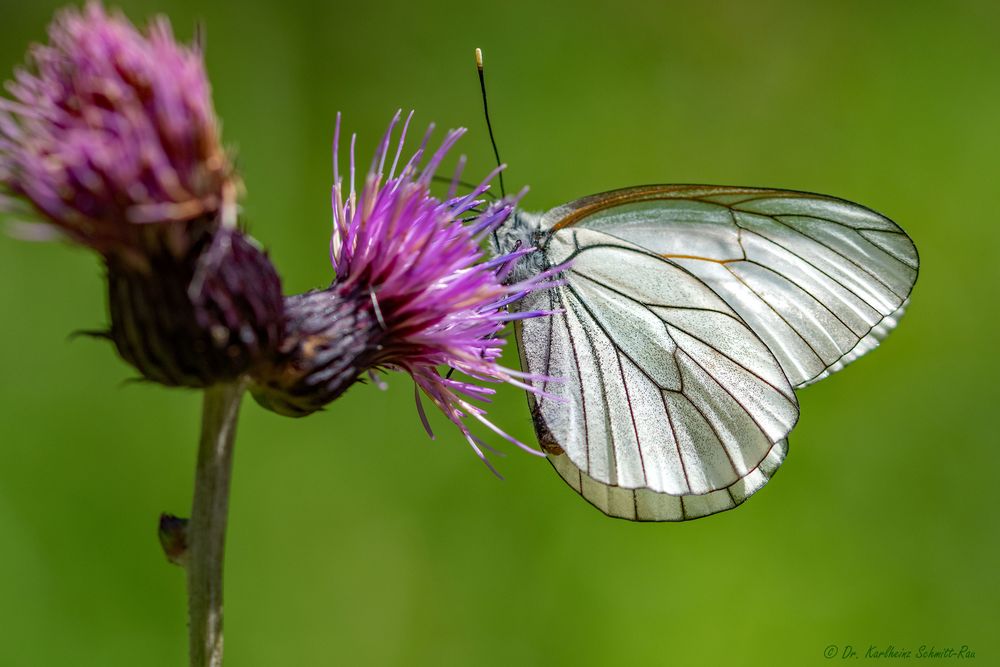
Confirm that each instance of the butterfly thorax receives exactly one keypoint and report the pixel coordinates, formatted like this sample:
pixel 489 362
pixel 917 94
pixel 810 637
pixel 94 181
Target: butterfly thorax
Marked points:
pixel 522 230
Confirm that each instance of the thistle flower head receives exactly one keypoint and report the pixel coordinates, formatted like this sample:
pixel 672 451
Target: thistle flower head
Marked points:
pixel 412 268
pixel 110 130
pixel 112 139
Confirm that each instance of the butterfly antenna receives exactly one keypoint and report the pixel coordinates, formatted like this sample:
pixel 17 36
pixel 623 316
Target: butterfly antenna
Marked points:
pixel 486 112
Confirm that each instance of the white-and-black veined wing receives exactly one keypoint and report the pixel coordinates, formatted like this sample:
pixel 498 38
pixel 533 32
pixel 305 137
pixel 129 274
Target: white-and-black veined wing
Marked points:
pixel 819 279
pixel 668 406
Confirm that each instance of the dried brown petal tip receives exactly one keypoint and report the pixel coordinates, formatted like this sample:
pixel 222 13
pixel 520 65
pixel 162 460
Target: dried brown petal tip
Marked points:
pixel 173 538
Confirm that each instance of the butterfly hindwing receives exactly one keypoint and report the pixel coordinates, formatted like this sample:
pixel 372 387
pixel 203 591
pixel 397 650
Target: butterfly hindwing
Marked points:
pixel 662 388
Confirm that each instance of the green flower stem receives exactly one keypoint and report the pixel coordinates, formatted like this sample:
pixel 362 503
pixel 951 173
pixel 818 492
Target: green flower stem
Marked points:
pixel 207 528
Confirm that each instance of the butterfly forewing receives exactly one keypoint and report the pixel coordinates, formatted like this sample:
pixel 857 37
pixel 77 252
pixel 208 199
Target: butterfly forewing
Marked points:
pixel 819 279
pixel 687 316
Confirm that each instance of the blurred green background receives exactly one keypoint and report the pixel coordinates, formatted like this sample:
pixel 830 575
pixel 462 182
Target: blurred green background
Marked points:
pixel 356 540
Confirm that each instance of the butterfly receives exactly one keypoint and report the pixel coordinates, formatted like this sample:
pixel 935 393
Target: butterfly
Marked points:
pixel 687 317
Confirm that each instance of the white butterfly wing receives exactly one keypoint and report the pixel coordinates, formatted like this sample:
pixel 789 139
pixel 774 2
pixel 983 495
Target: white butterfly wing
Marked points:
pixel 667 406
pixel 819 279
pixel 690 312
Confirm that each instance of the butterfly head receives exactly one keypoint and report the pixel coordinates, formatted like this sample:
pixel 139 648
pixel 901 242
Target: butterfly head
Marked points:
pixel 521 230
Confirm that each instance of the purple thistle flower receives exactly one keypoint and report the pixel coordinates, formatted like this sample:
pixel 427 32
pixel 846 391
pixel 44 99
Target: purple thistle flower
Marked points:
pixel 413 292
pixel 112 138
pixel 110 129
